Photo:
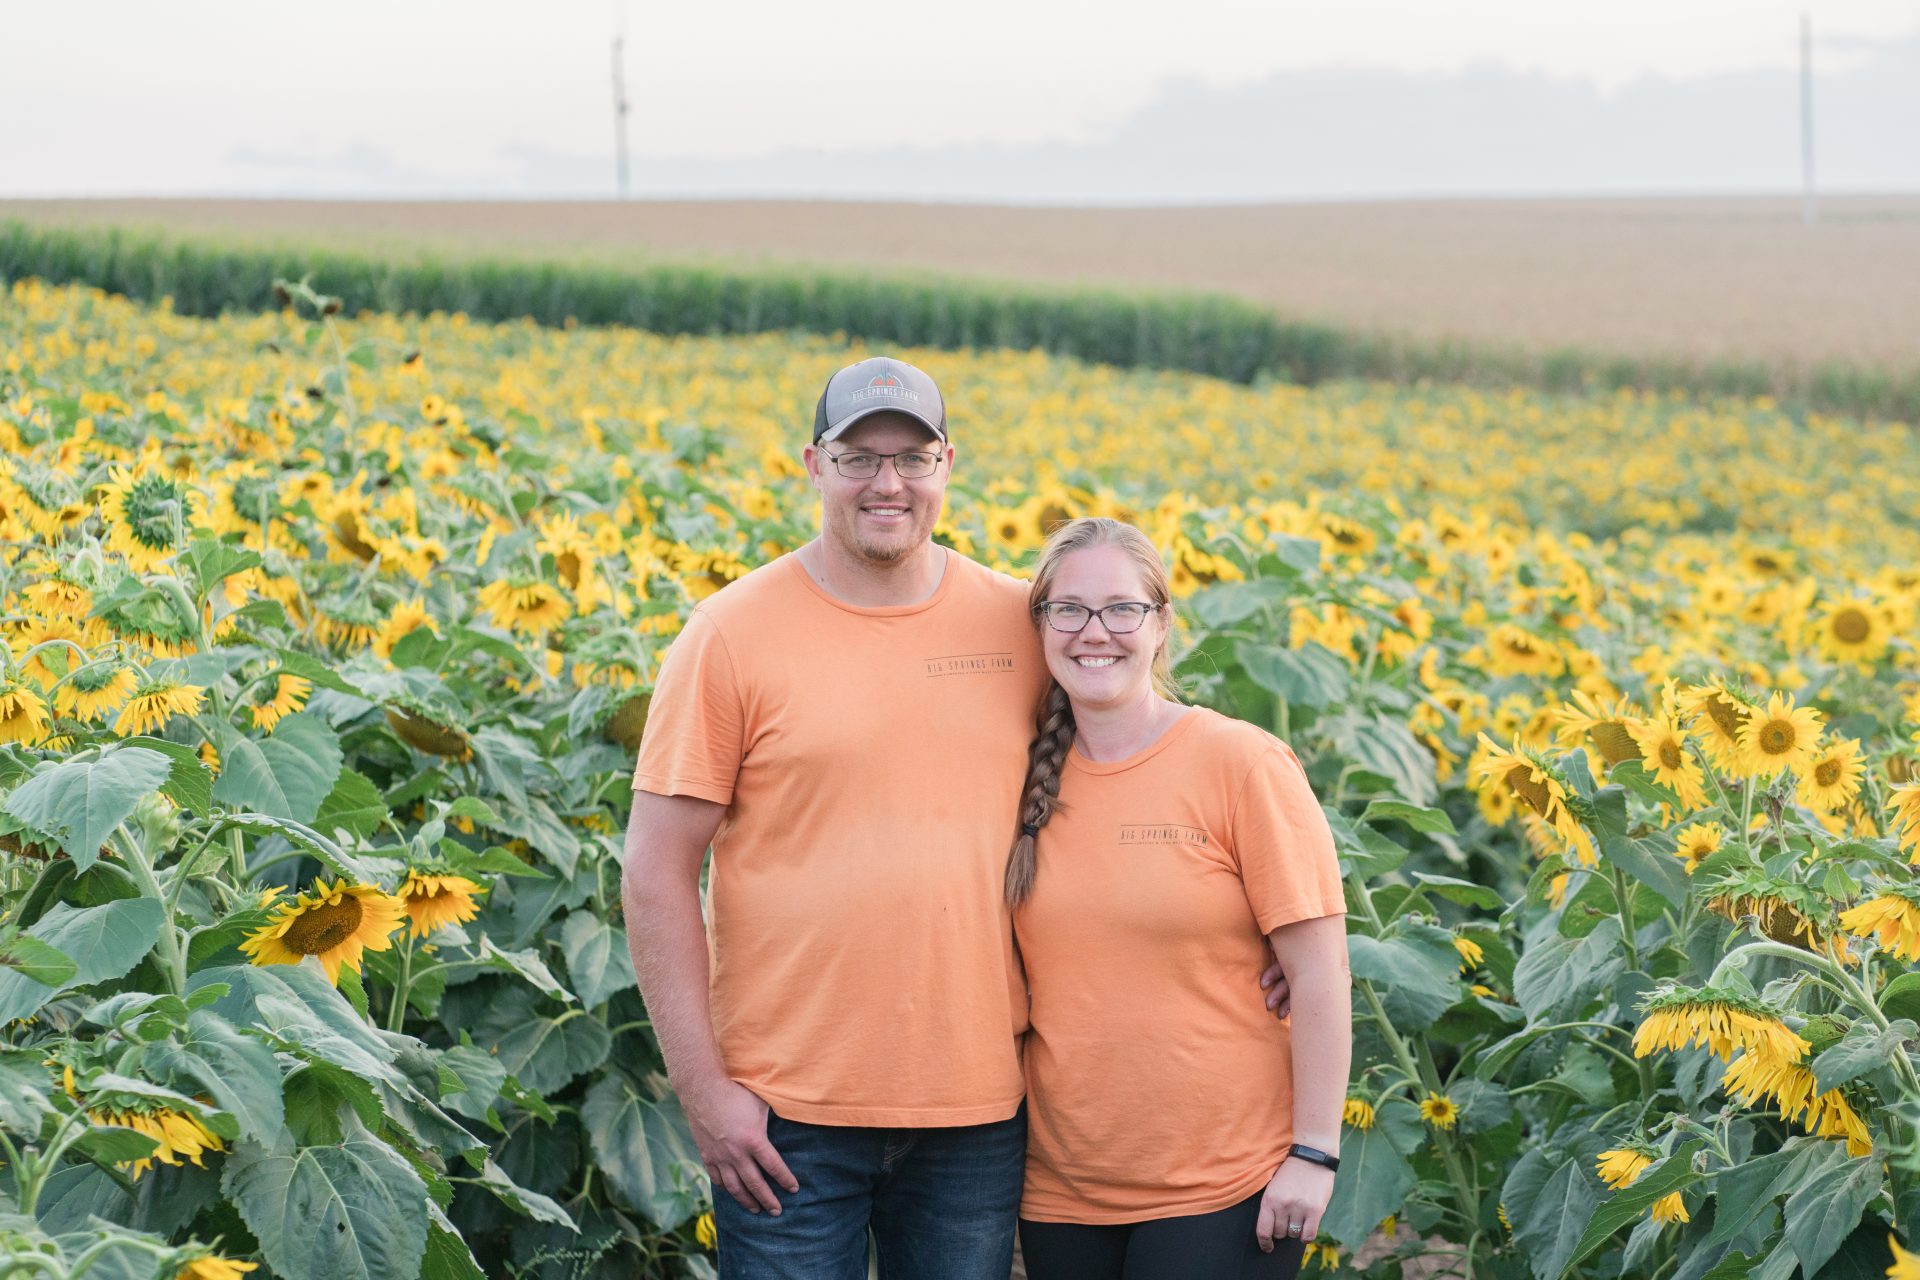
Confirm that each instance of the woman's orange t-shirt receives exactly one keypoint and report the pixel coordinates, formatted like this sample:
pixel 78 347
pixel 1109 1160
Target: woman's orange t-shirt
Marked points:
pixel 1158 1084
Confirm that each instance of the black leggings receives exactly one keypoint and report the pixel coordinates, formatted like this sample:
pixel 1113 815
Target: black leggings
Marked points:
pixel 1205 1246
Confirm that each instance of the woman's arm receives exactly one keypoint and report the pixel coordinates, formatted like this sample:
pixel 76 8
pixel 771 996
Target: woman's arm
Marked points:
pixel 1313 956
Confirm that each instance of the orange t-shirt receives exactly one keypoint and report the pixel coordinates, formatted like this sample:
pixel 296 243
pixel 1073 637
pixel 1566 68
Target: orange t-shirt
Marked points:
pixel 1158 1084
pixel 871 761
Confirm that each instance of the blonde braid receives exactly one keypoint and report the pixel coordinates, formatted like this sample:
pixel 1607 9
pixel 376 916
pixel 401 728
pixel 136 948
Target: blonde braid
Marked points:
pixel 1042 794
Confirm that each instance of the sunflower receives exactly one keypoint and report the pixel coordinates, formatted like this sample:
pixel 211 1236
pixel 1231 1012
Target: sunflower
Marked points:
pixel 1906 1266
pixel 1437 1109
pixel 1779 737
pixel 1716 715
pixel 1893 918
pixel 1720 1022
pixel 1749 1079
pixel 1669 1208
pixel 175 1133
pixel 214 1267
pixel 1697 841
pixel 23 712
pixel 1357 1112
pixel 407 617
pixel 154 702
pixel 93 691
pixel 1535 784
pixel 1607 726
pixel 140 508
pixel 1622 1166
pixel 334 923
pixel 527 605
pixel 1663 751
pixel 1854 630
pixel 1514 651
pixel 1832 778
pixel 1471 953
pixel 1904 804
pixel 346 624
pixel 289 695
pixel 433 900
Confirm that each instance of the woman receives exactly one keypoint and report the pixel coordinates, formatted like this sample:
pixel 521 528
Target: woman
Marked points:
pixel 1163 849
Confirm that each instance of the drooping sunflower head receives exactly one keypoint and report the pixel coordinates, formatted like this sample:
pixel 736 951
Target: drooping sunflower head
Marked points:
pixel 524 604
pixel 1892 918
pixel 1623 1164
pixel 1357 1113
pixel 1903 802
pixel 1607 725
pixel 174 1133
pixel 153 702
pixel 96 689
pixel 432 900
pixel 335 923
pixel 23 711
pixel 289 695
pixel 1718 1020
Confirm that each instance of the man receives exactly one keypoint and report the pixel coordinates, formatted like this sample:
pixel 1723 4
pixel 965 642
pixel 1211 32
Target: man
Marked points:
pixel 847 727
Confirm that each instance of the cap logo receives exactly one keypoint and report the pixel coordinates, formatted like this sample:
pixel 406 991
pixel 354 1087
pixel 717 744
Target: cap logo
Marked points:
pixel 887 386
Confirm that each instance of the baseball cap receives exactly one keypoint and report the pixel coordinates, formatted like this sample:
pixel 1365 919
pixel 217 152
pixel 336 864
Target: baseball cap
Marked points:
pixel 879 384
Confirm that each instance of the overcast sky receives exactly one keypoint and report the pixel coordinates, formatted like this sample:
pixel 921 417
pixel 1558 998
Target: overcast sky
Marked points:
pixel 993 99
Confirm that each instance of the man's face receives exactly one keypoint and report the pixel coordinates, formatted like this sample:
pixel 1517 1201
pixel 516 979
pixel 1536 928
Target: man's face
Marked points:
pixel 883 517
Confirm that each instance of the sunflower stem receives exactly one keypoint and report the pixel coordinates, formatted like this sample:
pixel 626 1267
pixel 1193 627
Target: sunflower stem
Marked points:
pixel 397 1011
pixel 169 944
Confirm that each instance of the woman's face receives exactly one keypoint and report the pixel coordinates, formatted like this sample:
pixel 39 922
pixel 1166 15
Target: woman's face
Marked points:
pixel 1098 667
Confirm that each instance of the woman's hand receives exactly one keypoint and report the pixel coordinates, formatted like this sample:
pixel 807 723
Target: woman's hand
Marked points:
pixel 1297 1194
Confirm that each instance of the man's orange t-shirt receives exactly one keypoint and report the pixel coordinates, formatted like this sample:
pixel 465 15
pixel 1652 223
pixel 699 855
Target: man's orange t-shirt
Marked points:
pixel 871 761
pixel 1158 1084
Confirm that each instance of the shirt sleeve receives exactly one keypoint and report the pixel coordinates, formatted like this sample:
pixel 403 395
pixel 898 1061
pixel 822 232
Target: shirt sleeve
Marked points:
pixel 1283 845
pixel 696 723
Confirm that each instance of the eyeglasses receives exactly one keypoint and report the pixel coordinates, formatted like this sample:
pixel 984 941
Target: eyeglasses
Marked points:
pixel 915 464
pixel 1118 619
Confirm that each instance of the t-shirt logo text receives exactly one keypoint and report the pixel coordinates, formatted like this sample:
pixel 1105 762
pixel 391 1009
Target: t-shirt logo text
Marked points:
pixel 1161 833
pixel 966 664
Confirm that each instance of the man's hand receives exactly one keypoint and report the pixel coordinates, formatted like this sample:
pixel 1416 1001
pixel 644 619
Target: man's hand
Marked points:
pixel 729 1123
pixel 1279 996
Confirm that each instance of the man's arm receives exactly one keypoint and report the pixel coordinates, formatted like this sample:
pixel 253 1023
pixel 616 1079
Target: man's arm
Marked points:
pixel 667 839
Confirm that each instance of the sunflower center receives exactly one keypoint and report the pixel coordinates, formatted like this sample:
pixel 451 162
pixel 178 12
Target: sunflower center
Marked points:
pixel 1777 737
pixel 1615 743
pixel 1670 757
pixel 1827 772
pixel 1530 789
pixel 1724 714
pixel 319 929
pixel 1852 626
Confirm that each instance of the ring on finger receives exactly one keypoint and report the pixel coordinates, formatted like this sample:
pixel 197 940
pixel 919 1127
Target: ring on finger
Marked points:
pixel 1295 1228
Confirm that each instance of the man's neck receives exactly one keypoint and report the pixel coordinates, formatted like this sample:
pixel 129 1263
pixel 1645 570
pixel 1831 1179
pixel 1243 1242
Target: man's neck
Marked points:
pixel 865 584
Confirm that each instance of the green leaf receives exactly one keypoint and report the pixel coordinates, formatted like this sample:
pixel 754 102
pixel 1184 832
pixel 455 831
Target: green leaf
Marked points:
pixel 318 1097
pixel 322 675
pixel 287 775
pixel 78 1193
pixel 527 964
pixel 104 941
pixel 531 1203
pixel 470 1080
pixel 1823 1213
pixel 448 1257
pixel 116 1144
pixel 1419 817
pixel 351 1211
pixel 80 802
pixel 25 1091
pixel 214 561
pixel 354 804
pixel 1742 1193
pixel 1299 554
pixel 297 1006
pixel 35 960
pixel 188 783
pixel 1862 1049
pixel 1375 1180
pixel 1464 892
pixel 1225 603
pixel 597 958
pixel 474 809
pixel 239 1072
pixel 1901 999
pixel 1310 676
pixel 1388 749
pixel 1416 982
pixel 644 1148
pixel 1627 1204
pixel 542 1052
pixel 1549 1229
pixel 1557 978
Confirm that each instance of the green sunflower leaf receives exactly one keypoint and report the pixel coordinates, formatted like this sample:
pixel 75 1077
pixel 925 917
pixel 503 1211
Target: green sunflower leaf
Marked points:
pixel 351 1211
pixel 80 802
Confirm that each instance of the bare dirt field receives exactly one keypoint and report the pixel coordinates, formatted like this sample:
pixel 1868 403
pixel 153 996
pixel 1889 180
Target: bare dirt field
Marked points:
pixel 1700 278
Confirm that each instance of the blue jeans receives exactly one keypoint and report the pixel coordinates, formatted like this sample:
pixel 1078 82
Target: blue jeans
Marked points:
pixel 941 1202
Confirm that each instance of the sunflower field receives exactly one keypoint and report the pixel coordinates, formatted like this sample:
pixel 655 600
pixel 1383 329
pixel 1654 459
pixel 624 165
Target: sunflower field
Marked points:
pixel 329 641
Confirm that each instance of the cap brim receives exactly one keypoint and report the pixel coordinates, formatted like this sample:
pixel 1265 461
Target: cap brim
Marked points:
pixel 839 428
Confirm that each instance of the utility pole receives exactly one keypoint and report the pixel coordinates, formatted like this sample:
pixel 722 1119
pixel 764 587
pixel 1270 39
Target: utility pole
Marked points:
pixel 1809 212
pixel 620 94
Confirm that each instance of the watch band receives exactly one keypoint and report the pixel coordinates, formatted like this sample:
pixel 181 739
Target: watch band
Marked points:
pixel 1313 1155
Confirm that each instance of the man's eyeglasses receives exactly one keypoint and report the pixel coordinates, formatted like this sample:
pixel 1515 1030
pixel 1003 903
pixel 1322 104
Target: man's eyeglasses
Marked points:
pixel 1118 619
pixel 915 464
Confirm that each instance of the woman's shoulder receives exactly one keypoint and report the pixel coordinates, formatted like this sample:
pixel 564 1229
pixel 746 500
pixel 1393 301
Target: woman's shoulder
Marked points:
pixel 1221 734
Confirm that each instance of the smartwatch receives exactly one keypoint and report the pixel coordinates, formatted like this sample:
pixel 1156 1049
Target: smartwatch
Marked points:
pixel 1313 1155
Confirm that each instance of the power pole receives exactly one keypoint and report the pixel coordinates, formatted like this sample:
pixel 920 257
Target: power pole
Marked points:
pixel 1809 212
pixel 620 94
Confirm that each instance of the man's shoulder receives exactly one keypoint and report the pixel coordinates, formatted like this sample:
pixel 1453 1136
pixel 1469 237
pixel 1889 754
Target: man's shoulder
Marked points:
pixel 977 577
pixel 752 592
